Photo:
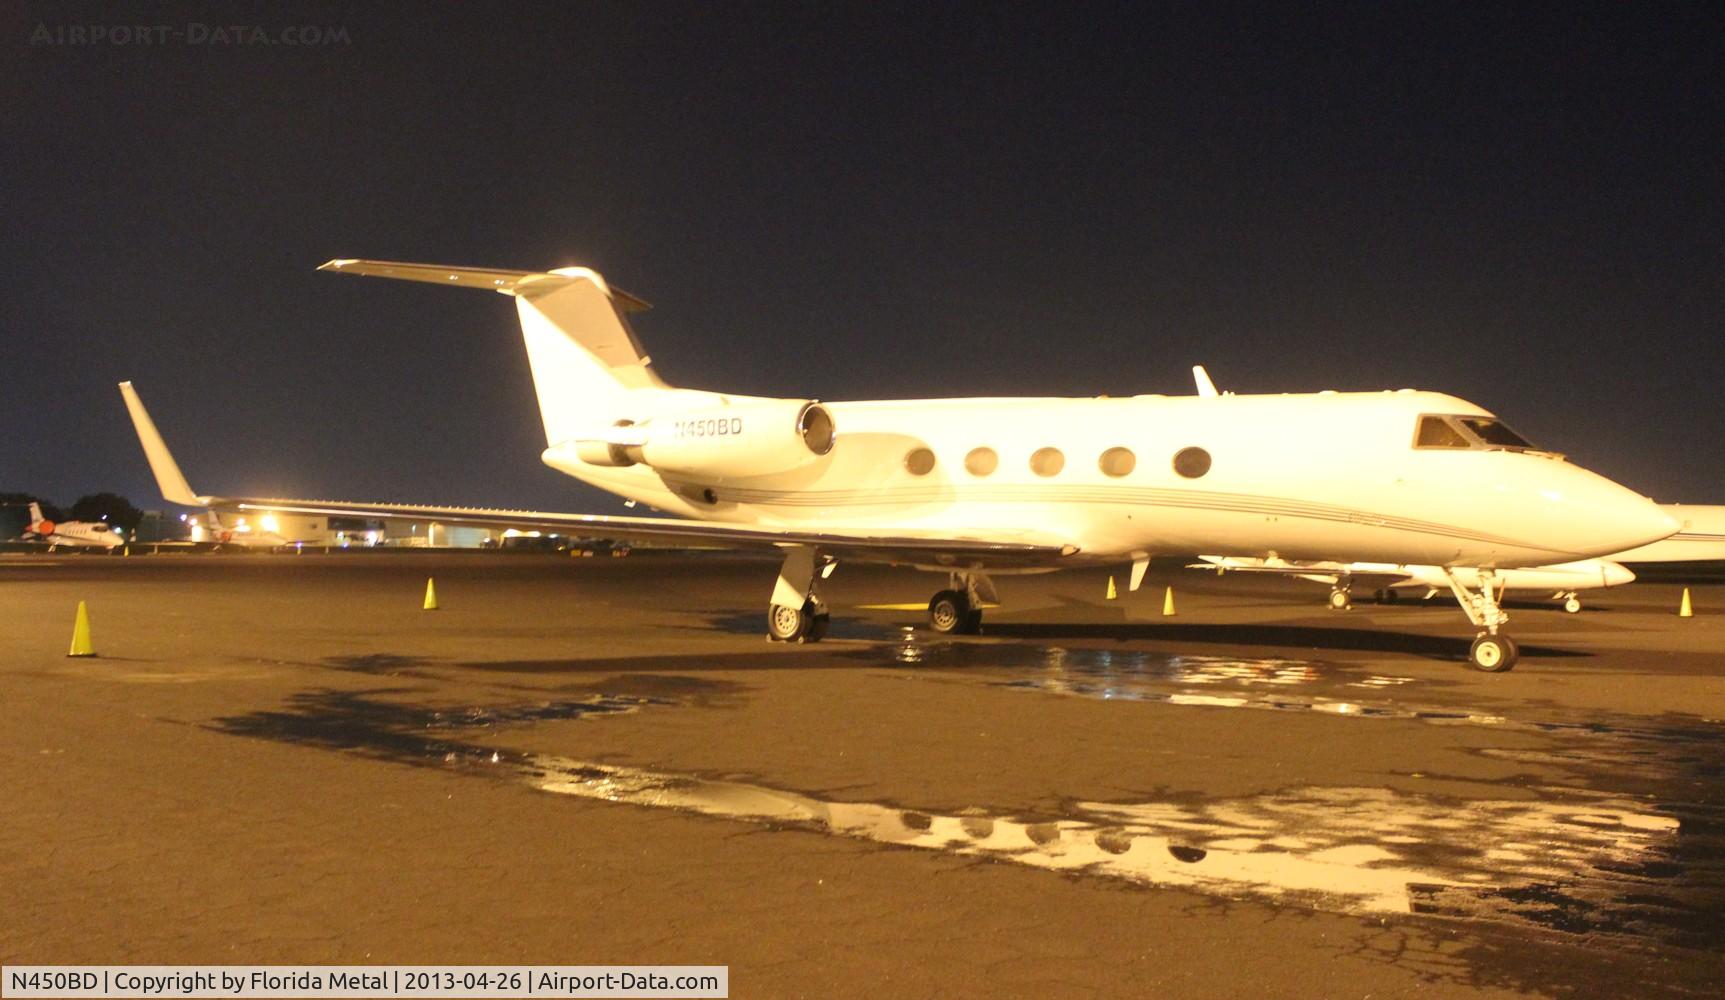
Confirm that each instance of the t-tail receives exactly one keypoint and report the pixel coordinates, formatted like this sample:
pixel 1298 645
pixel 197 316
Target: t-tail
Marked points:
pixel 584 357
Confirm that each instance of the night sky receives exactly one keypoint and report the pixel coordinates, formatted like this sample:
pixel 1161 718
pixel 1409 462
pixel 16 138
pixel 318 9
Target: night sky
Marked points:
pixel 1521 206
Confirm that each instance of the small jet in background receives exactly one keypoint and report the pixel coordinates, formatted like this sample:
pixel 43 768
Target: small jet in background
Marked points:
pixel 74 534
pixel 1563 581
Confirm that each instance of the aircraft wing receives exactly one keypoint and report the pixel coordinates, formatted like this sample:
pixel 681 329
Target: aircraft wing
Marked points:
pixel 897 545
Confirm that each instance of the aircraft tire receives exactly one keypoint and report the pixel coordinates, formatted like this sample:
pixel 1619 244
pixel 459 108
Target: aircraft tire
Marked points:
pixel 1572 605
pixel 1340 600
pixel 787 624
pixel 948 612
pixel 1492 654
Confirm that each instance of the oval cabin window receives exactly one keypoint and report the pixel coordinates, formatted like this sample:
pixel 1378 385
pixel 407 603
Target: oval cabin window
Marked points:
pixel 1117 462
pixel 981 461
pixel 1047 461
pixel 1192 462
pixel 919 462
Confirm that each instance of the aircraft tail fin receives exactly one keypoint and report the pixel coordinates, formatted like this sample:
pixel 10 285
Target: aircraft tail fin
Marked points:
pixel 583 354
pixel 35 513
pixel 169 479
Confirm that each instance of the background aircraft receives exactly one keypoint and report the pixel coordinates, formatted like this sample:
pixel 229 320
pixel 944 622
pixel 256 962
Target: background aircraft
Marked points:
pixel 75 534
pixel 975 488
pixel 1563 582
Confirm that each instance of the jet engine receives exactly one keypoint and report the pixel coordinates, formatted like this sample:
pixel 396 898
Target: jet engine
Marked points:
pixel 716 443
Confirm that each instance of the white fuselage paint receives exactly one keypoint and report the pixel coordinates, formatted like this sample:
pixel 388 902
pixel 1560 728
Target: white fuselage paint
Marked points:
pixel 1325 476
pixel 77 534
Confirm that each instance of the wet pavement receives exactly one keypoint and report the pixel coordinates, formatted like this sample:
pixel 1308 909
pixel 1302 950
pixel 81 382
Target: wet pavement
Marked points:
pixel 1560 833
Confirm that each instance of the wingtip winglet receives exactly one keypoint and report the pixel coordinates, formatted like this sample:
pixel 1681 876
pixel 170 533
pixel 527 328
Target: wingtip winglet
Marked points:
pixel 169 479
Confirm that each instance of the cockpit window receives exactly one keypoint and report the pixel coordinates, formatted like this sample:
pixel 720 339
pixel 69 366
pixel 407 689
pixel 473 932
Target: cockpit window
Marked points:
pixel 1438 432
pixel 1494 433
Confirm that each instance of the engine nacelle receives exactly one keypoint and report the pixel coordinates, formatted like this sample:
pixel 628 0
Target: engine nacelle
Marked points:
pixel 716 443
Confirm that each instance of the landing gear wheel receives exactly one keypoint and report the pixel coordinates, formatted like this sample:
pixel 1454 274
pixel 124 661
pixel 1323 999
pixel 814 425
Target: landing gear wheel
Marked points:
pixel 1340 600
pixel 1492 653
pixel 1389 596
pixel 818 627
pixel 788 624
pixel 972 622
pixel 1572 604
pixel 949 612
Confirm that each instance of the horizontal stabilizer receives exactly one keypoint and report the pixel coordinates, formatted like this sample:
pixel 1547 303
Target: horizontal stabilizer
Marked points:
pixel 529 284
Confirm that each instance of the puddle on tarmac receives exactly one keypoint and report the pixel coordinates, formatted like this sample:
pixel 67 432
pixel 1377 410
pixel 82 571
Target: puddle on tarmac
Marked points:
pixel 1569 860
pixel 1269 683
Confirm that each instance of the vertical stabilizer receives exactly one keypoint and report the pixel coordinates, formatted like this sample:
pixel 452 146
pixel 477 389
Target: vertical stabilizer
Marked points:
pixel 584 357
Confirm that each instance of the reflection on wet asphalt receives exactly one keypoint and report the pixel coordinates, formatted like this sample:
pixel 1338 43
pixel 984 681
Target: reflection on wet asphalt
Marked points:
pixel 1567 859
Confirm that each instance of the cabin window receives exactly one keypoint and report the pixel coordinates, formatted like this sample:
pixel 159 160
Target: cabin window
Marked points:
pixel 1494 433
pixel 981 462
pixel 1117 462
pixel 1047 461
pixel 1192 462
pixel 919 461
pixel 1438 432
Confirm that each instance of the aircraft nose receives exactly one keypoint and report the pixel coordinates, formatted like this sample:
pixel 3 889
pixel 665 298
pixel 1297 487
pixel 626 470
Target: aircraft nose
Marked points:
pixel 1634 520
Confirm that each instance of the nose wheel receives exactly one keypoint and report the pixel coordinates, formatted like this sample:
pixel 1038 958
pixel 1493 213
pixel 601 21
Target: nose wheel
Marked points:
pixel 1492 653
pixel 1572 604
pixel 1341 599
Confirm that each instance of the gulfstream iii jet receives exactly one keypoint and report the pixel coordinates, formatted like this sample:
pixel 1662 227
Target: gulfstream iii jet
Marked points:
pixel 977 488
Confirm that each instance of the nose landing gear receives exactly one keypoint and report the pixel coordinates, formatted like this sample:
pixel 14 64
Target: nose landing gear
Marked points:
pixel 1490 652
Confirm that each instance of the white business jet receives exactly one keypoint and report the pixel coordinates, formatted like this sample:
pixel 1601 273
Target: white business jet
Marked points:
pixel 1562 582
pixel 72 534
pixel 975 488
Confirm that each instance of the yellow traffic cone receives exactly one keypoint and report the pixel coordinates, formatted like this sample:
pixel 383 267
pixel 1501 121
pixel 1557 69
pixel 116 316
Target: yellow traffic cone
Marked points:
pixel 1113 595
pixel 1168 603
pixel 430 594
pixel 81 644
pixel 1686 609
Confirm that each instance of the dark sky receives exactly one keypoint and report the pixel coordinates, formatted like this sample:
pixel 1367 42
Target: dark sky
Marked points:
pixel 1524 206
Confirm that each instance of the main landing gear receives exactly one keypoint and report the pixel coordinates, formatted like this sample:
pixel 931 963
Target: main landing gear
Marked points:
pixel 1490 651
pixel 1571 603
pixel 1342 595
pixel 797 613
pixel 958 609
